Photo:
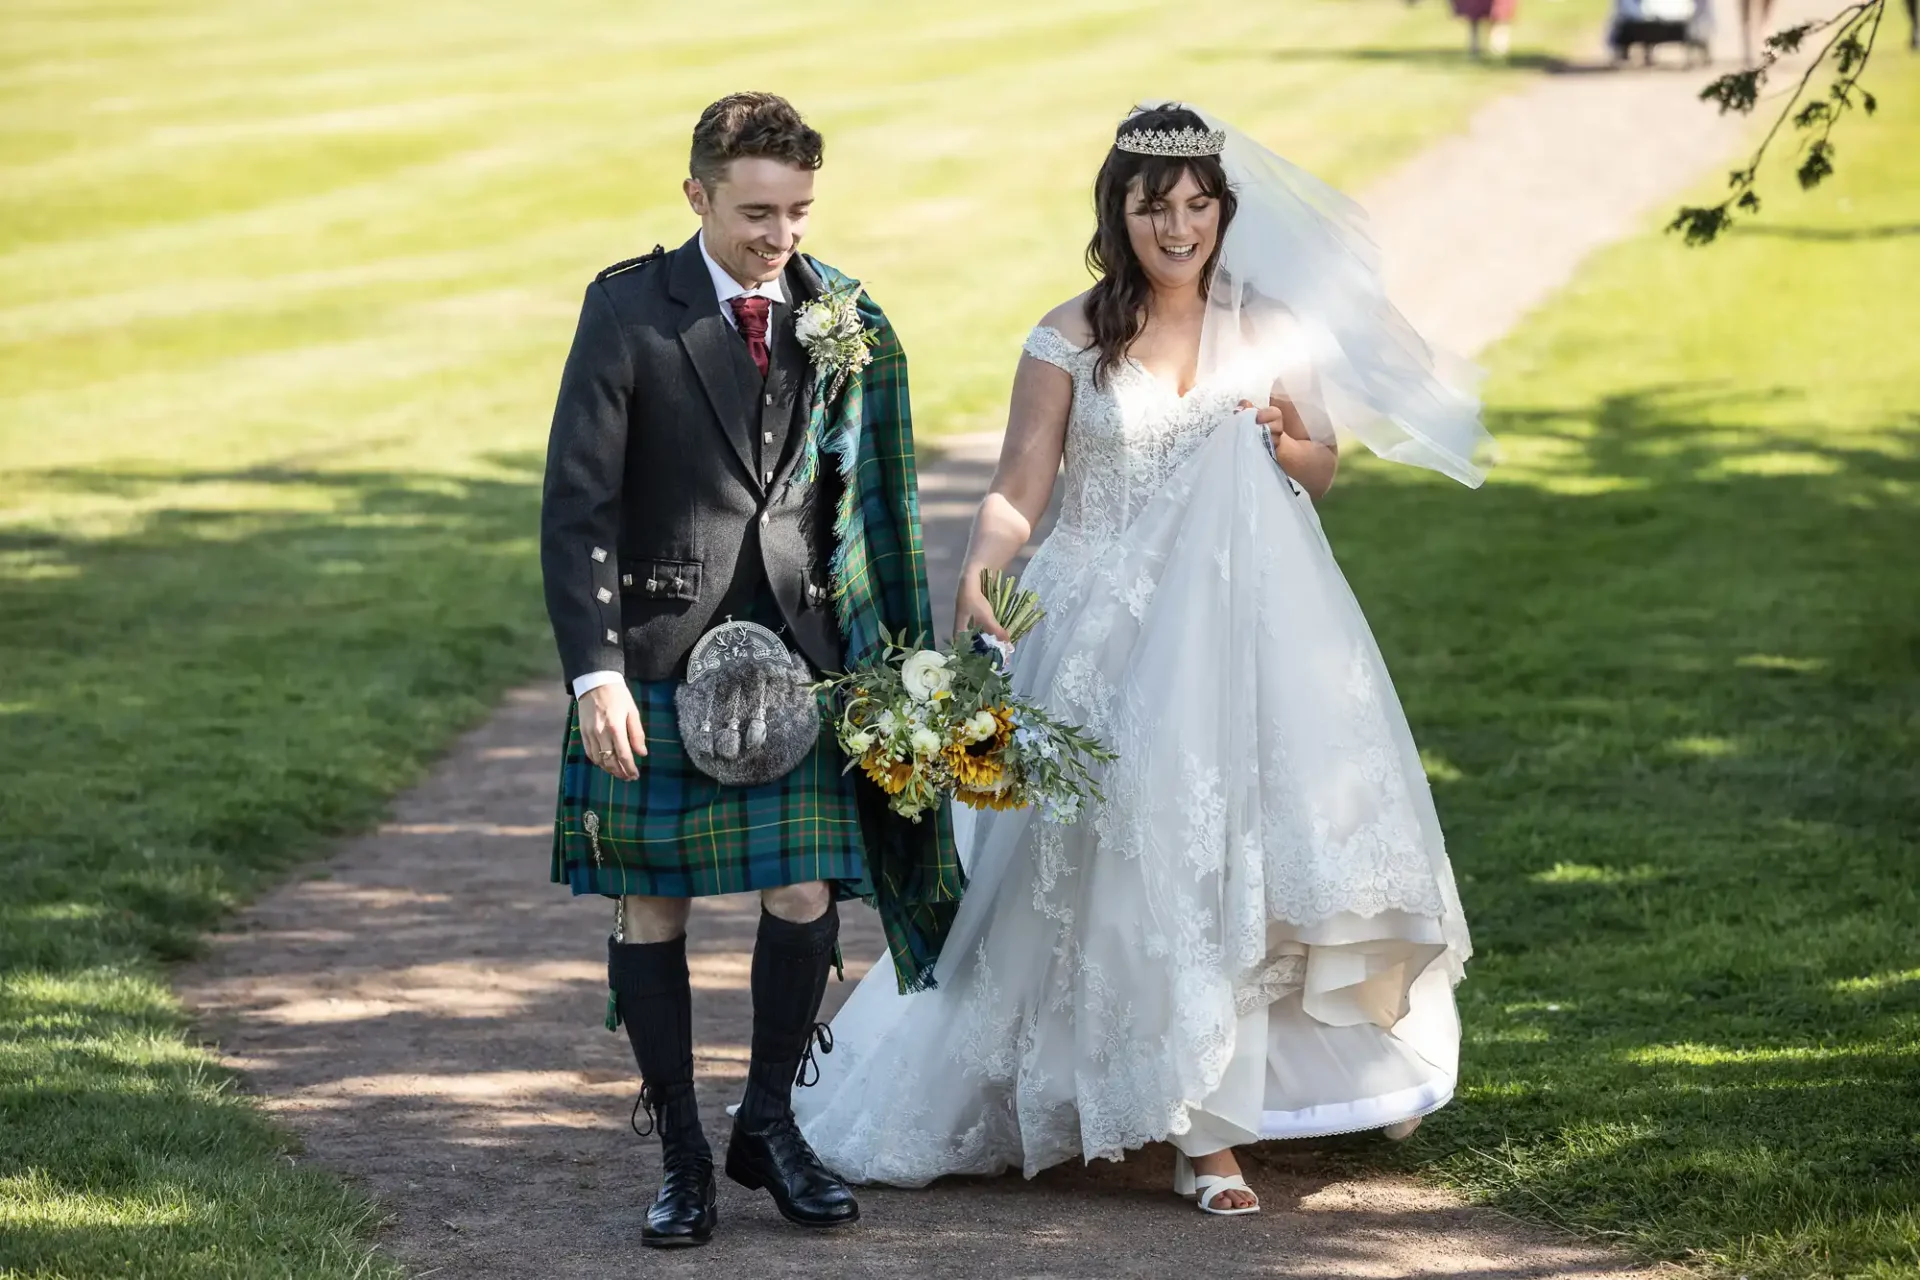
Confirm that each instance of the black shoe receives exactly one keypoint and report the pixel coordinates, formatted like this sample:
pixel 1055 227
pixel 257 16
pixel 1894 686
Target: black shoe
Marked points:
pixel 683 1214
pixel 776 1157
pixel 653 997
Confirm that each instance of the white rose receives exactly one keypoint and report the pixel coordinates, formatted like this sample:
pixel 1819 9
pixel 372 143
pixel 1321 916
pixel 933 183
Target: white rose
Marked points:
pixel 812 324
pixel 981 725
pixel 925 674
pixel 925 742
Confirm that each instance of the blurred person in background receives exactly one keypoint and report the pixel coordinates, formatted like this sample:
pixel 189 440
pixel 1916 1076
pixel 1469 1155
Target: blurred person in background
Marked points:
pixel 1478 13
pixel 1756 16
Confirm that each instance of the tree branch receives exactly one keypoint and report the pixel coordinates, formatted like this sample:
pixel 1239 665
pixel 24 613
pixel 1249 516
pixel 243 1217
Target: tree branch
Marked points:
pixel 1739 92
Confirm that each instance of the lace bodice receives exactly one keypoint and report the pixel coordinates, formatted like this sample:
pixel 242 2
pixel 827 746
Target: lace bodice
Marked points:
pixel 1124 440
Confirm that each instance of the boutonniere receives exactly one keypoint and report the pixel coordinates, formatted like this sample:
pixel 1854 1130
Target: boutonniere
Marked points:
pixel 836 340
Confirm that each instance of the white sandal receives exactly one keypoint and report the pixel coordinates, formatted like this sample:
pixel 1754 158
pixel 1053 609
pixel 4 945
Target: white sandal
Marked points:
pixel 1206 1187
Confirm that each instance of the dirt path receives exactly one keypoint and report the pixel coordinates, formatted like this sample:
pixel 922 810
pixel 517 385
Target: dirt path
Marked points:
pixel 447 1049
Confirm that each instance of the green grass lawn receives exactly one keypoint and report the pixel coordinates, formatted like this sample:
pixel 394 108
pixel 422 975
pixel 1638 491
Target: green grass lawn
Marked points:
pixel 1666 668
pixel 286 291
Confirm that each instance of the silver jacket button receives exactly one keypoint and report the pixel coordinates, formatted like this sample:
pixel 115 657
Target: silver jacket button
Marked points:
pixel 603 595
pixel 613 637
pixel 599 555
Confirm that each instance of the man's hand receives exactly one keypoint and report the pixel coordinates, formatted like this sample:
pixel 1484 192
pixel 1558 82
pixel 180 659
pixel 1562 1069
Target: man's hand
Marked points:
pixel 610 729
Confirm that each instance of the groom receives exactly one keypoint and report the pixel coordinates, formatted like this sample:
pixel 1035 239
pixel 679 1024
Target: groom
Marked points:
pixel 701 468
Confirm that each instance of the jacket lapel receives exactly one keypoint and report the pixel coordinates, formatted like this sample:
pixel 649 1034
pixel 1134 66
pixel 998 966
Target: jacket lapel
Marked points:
pixel 706 338
pixel 803 286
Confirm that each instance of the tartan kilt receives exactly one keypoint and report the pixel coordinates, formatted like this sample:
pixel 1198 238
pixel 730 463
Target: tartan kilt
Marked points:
pixel 676 833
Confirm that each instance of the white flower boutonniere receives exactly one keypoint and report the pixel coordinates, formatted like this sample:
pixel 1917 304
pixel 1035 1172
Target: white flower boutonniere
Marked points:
pixel 836 340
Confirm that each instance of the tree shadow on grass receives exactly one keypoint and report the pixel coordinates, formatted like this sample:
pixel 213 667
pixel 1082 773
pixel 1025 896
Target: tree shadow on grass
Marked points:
pixel 1837 235
pixel 1670 678
pixel 256 661
pixel 200 697
pixel 1525 62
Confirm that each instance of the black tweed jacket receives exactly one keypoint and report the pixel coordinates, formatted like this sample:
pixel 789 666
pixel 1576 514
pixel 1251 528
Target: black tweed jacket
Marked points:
pixel 667 504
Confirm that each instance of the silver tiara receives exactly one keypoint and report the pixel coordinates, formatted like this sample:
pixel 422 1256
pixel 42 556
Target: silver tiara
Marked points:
pixel 1188 141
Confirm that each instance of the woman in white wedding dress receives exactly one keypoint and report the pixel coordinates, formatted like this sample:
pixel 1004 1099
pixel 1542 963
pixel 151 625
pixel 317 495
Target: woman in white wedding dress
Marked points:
pixel 1255 932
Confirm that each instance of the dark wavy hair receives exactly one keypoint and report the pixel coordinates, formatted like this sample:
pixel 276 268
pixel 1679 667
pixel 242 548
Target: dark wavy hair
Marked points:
pixel 751 124
pixel 1116 306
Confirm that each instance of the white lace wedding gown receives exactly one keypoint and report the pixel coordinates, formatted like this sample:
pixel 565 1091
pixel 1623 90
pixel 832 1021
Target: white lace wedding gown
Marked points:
pixel 1256 933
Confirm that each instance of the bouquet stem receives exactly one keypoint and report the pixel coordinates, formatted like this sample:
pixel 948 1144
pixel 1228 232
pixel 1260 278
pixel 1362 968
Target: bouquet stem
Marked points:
pixel 1017 611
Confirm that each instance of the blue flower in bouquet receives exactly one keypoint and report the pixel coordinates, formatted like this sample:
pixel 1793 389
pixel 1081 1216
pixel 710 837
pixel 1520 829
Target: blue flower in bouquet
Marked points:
pixel 1063 811
pixel 1001 651
pixel 1033 739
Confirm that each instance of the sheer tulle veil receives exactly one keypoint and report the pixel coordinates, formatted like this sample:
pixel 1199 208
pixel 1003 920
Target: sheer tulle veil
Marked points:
pixel 1298 291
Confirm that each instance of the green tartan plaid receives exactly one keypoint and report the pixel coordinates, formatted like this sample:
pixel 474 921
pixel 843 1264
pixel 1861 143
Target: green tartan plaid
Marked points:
pixel 879 578
pixel 676 833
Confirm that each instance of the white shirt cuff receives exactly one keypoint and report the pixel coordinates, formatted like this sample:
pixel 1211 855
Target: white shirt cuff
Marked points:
pixel 593 680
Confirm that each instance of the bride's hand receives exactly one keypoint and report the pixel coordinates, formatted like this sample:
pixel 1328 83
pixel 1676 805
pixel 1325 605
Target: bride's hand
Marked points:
pixel 1275 419
pixel 971 610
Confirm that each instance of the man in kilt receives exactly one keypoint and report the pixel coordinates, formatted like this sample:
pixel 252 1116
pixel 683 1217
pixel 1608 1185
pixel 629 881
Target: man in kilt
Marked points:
pixel 702 469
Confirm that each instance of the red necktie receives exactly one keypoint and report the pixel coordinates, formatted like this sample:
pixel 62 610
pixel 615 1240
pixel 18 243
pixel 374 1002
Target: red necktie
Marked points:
pixel 751 310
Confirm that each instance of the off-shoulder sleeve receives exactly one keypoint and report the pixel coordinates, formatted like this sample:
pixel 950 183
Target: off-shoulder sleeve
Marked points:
pixel 1049 344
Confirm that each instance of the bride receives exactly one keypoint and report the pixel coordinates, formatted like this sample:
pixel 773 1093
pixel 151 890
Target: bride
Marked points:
pixel 1254 932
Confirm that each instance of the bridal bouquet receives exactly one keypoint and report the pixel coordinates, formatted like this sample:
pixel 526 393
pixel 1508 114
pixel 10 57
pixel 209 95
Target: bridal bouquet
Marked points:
pixel 925 724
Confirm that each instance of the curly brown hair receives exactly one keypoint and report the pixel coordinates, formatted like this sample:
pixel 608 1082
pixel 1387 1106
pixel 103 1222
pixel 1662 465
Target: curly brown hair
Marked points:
pixel 751 124
pixel 1116 306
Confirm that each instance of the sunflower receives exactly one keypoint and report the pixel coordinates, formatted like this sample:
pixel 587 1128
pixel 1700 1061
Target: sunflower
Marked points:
pixel 891 776
pixel 973 772
pixel 977 766
pixel 1004 798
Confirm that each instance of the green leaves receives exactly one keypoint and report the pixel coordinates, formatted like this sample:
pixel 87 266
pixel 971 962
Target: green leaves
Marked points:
pixel 1849 51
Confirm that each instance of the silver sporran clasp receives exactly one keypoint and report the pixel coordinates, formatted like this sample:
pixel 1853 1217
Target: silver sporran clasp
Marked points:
pixel 747 711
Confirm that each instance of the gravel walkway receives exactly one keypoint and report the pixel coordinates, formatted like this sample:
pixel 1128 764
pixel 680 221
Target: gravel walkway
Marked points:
pixel 448 1050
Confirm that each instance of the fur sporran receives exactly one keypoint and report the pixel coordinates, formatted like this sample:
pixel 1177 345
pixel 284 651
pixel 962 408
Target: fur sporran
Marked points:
pixel 747 712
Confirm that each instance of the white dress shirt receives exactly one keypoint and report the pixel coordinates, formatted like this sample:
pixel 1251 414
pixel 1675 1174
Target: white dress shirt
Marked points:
pixel 726 289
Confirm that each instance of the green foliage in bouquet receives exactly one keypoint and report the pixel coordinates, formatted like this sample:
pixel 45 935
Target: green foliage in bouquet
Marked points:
pixel 925 724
